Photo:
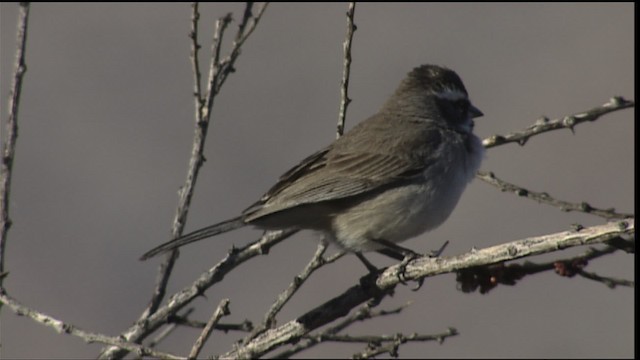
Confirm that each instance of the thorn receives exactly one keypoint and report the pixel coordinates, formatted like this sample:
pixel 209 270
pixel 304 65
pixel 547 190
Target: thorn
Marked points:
pixel 542 120
pixel 570 122
pixel 523 141
pixel 617 101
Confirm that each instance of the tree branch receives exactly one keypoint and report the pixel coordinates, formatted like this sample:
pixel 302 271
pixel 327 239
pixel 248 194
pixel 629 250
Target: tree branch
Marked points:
pixel 141 329
pixel 221 310
pixel 346 70
pixel 376 343
pixel 365 312
pixel 9 148
pixel 283 298
pixel 486 278
pixel 544 198
pixel 66 328
pixel 376 286
pixel 568 122
pixel 218 72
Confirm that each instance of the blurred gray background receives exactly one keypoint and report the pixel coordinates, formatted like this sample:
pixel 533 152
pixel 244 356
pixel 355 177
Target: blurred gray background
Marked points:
pixel 106 125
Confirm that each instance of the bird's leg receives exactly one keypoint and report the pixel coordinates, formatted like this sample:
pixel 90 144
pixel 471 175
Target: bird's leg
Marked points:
pixel 398 252
pixel 367 263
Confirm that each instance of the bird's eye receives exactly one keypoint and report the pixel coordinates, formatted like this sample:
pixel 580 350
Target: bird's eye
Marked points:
pixel 454 111
pixel 462 106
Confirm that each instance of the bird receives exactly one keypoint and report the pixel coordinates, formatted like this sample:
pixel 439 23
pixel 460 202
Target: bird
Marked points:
pixel 392 177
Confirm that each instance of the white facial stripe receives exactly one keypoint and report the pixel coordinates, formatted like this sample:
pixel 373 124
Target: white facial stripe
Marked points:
pixel 451 94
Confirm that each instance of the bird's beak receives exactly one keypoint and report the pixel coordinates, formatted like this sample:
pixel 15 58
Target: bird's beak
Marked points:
pixel 475 112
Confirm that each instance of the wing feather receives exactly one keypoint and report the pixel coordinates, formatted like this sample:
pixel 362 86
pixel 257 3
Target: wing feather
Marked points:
pixel 335 173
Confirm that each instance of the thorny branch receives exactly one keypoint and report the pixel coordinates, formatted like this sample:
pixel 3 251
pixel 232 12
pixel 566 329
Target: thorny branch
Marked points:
pixel 544 198
pixel 169 329
pixel 9 148
pixel 182 298
pixel 486 278
pixel 383 344
pixel 218 72
pixel 221 310
pixel 346 70
pixel 365 312
pixel 544 124
pixel 316 262
pixel 377 286
pixel 65 328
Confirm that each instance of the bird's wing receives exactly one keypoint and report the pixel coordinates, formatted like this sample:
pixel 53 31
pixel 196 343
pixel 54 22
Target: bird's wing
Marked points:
pixel 327 176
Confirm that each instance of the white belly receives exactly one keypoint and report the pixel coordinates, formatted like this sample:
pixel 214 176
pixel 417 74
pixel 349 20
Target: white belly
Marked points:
pixel 406 211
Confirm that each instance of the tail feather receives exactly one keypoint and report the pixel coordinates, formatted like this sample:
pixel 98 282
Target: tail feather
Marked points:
pixel 197 235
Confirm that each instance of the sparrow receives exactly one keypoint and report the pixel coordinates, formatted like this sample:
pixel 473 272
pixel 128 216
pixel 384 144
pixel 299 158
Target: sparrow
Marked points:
pixel 392 177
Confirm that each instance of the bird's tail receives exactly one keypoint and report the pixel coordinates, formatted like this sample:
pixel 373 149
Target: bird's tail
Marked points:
pixel 203 233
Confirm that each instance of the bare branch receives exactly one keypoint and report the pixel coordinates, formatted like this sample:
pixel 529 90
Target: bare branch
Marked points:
pixel 195 62
pixel 486 278
pixel 221 310
pixel 224 67
pixel 376 286
pixel 244 326
pixel 195 163
pixel 346 70
pixel 236 257
pixel 169 329
pixel 568 122
pixel 544 198
pixel 363 313
pixel 376 347
pixel 9 148
pixel 538 245
pixel 316 261
pixel 219 70
pixel 65 328
pixel 608 281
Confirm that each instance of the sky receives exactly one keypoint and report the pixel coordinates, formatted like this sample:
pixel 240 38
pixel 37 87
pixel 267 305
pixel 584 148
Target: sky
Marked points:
pixel 106 127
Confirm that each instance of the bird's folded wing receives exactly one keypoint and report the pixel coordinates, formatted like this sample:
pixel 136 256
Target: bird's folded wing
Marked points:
pixel 335 177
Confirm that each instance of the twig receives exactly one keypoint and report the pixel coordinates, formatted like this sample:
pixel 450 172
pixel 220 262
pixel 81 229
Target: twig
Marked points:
pixel 169 329
pixel 221 310
pixel 346 70
pixel 316 262
pixel 218 74
pixel 608 281
pixel 375 346
pixel 363 313
pixel 376 286
pixel 9 148
pixel 244 326
pixel 219 71
pixel 195 163
pixel 215 67
pixel 65 328
pixel 195 62
pixel 568 122
pixel 486 278
pixel 246 16
pixel 544 198
pixel 182 298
